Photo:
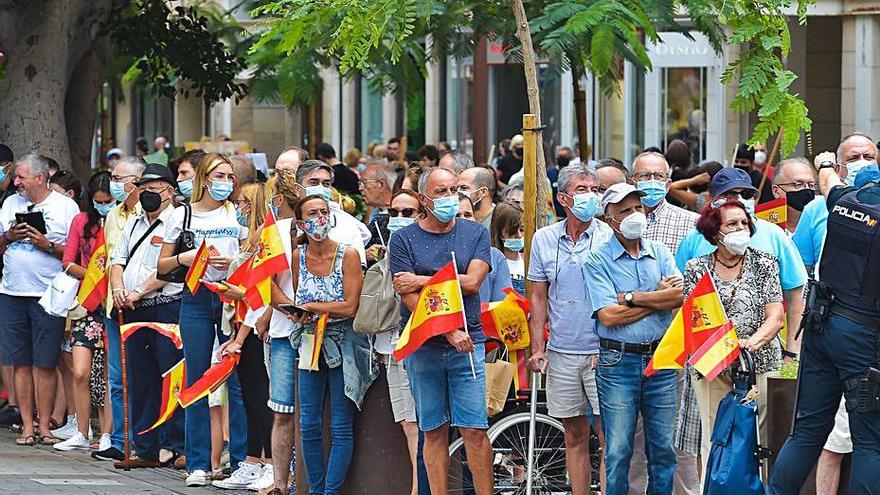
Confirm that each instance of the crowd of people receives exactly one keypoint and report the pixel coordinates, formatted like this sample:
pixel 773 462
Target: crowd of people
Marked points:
pixel 624 246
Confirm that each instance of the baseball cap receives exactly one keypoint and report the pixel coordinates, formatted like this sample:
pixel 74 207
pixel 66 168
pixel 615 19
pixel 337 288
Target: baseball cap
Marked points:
pixel 617 192
pixel 730 178
pixel 871 173
pixel 155 172
pixel 5 154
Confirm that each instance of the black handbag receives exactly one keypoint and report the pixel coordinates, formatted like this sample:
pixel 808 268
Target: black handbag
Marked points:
pixel 186 242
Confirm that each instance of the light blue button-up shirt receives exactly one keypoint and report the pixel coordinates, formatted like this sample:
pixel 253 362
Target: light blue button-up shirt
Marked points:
pixel 611 270
pixel 558 260
pixel 768 238
pixel 809 236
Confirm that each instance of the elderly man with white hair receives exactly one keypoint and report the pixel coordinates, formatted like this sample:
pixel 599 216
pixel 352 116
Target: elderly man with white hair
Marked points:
pixel 795 181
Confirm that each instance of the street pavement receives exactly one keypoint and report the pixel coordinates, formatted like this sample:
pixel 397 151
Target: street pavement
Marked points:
pixel 43 470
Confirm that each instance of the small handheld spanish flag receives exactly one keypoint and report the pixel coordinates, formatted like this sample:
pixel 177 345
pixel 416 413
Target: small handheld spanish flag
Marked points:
pixel 440 310
pixel 310 347
pixel 210 381
pixel 269 259
pixel 197 269
pixel 170 330
pixel 775 211
pixel 93 289
pixel 717 353
pixel 172 383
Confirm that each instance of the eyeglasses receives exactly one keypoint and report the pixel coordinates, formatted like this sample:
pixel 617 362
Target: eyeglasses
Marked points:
pixel 405 212
pixel 799 186
pixel 741 193
pixel 367 182
pixel 649 176
pixel 121 178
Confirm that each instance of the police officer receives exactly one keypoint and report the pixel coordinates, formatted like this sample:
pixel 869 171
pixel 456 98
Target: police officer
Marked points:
pixel 841 342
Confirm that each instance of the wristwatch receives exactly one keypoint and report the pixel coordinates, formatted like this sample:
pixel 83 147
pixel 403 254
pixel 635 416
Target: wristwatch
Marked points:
pixel 51 248
pixel 826 164
pixel 628 298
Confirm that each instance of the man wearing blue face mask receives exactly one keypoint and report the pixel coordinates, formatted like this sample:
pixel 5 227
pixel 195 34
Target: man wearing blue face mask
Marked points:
pixel 443 387
pixel 559 295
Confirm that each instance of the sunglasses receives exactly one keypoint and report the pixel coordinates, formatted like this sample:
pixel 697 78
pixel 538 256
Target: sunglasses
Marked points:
pixel 405 212
pixel 744 194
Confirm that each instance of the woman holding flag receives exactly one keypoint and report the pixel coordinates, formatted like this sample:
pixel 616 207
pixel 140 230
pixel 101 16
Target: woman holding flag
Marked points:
pixel 211 219
pixel 747 283
pixel 327 280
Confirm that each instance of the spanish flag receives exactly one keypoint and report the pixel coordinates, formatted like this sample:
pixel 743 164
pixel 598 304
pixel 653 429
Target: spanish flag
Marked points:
pixel 197 269
pixel 172 383
pixel 717 353
pixel 93 289
pixel 310 347
pixel 268 260
pixel 210 381
pixel 520 359
pixel 775 211
pixel 507 320
pixel 439 310
pixel 170 330
pixel 701 312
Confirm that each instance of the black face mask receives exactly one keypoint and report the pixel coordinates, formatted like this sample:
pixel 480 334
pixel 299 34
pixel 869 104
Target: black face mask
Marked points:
pixel 517 152
pixel 562 161
pixel 799 199
pixel 150 201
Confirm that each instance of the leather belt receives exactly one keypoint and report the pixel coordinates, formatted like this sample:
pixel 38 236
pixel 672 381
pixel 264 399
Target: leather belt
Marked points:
pixel 643 348
pixel 862 319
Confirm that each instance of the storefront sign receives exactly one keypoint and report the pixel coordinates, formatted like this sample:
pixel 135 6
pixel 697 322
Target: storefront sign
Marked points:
pixel 677 50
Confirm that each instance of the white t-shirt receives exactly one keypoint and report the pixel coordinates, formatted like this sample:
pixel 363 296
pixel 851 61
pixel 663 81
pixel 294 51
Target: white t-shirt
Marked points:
pixel 348 231
pixel 280 326
pixel 218 227
pixel 517 267
pixel 27 270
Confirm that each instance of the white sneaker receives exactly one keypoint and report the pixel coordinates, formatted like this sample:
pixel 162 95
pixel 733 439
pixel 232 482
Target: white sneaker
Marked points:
pixel 68 430
pixel 246 474
pixel 266 480
pixel 197 478
pixel 104 443
pixel 76 442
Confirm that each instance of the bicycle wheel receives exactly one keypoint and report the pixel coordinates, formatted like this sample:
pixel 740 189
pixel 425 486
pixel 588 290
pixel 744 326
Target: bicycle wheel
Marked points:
pixel 509 440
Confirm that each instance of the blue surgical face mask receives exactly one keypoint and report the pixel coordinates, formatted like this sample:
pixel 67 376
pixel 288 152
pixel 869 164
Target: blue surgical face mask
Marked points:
pixel 445 208
pixel 852 169
pixel 319 190
pixel 655 189
pixel 117 190
pixel 397 223
pixel 220 190
pixel 186 187
pixel 2 174
pixel 515 244
pixel 102 208
pixel 241 217
pixel 585 206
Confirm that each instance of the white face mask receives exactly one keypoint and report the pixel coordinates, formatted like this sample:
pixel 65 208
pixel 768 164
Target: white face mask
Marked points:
pixel 760 158
pixel 737 242
pixel 633 226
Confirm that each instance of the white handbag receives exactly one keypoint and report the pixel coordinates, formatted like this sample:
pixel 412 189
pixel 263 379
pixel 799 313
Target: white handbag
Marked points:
pixel 60 296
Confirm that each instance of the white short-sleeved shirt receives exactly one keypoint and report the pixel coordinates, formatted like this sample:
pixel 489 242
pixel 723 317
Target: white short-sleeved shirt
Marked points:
pixel 27 270
pixel 142 264
pixel 218 227
pixel 346 220
pixel 279 325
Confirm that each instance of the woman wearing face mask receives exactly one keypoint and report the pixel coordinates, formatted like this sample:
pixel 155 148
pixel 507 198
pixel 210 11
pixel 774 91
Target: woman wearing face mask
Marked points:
pixel 85 343
pixel 213 221
pixel 507 235
pixel 185 169
pixel 747 282
pixel 327 279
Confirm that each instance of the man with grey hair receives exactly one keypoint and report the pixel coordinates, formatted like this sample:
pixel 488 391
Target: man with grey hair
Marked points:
pixel 34 225
pixel 795 181
pixel 609 173
pixel 447 375
pixel 124 175
pixel 375 184
pixel 479 184
pixel 456 161
pixel 559 291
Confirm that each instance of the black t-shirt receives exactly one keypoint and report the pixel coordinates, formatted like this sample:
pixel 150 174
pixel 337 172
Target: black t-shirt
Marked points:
pixel 868 195
pixel 508 166
pixel 345 180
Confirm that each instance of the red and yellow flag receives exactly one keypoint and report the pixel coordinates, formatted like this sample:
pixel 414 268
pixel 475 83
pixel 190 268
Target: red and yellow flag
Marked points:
pixel 170 330
pixel 197 269
pixel 172 383
pixel 93 288
pixel 268 260
pixel 209 382
pixel 774 211
pixel 520 358
pixel 507 320
pixel 701 312
pixel 717 353
pixel 310 347
pixel 439 310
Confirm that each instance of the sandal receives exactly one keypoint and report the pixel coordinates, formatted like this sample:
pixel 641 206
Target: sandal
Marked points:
pixel 28 441
pixel 48 439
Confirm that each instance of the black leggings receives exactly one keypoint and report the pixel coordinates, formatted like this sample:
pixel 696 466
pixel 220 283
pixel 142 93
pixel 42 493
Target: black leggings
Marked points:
pixel 255 392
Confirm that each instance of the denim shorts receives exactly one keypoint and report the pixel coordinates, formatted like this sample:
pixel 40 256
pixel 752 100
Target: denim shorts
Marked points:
pixel 282 376
pixel 444 389
pixel 29 336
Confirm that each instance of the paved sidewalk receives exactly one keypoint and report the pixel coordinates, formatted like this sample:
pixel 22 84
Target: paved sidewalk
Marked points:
pixel 43 470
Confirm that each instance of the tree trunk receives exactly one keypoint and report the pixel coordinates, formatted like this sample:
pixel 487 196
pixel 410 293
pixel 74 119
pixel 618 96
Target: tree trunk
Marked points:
pixel 47 42
pixel 580 111
pixel 81 109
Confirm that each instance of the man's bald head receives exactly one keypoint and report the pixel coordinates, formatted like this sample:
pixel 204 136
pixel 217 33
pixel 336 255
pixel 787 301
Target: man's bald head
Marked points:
pixel 608 176
pixel 856 146
pixel 793 170
pixel 291 158
pixel 650 162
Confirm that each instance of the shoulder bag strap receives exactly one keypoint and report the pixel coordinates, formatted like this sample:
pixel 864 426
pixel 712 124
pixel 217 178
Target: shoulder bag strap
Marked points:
pixel 143 237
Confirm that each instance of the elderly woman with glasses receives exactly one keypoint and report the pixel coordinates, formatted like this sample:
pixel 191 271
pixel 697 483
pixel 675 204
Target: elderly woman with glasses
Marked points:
pixel 747 282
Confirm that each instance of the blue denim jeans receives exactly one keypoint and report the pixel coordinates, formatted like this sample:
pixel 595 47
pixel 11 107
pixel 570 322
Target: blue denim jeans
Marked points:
pixel 325 480
pixel 199 322
pixel 114 381
pixel 624 392
pixel 843 350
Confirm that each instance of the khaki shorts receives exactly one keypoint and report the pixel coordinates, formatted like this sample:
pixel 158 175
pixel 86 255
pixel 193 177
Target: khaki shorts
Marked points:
pixel 840 441
pixel 571 385
pixel 402 406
